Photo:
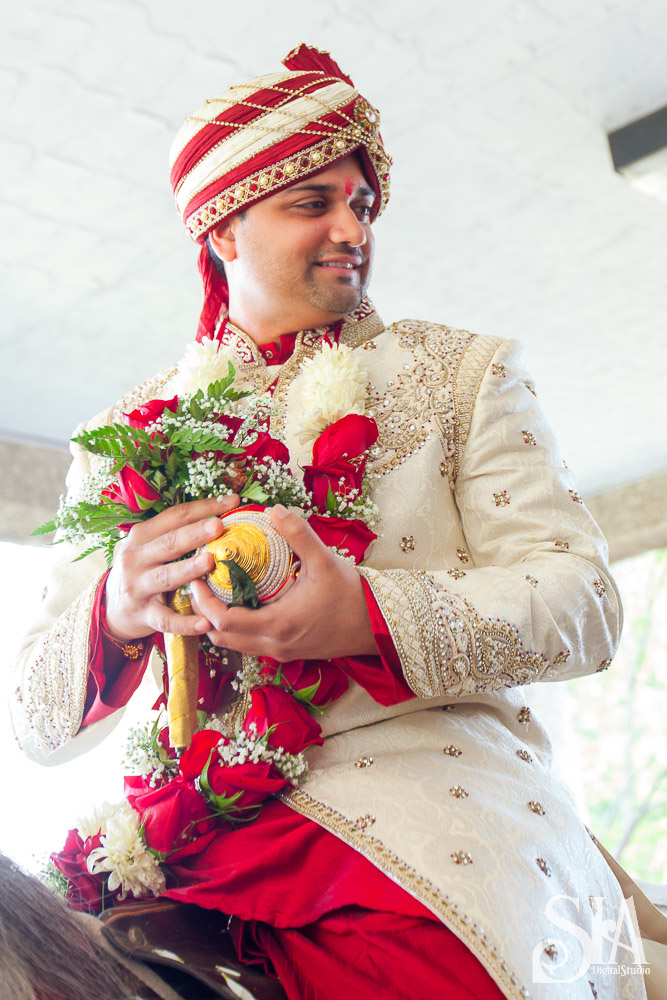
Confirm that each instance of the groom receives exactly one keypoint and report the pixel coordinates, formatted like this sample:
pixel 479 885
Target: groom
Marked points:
pixel 432 803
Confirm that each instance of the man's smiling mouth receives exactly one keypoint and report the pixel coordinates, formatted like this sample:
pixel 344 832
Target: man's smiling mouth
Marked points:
pixel 342 263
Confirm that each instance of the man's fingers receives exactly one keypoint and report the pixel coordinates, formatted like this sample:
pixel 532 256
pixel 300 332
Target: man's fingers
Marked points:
pixel 169 576
pixel 178 542
pixel 177 517
pixel 205 603
pixel 163 619
pixel 259 631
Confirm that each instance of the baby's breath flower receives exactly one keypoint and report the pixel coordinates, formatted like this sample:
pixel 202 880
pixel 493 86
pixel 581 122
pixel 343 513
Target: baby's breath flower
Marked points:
pixel 53 879
pixel 249 748
pixel 142 754
pixel 249 676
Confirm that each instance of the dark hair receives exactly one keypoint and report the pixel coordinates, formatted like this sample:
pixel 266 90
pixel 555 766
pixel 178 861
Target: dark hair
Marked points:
pixel 46 951
pixel 218 263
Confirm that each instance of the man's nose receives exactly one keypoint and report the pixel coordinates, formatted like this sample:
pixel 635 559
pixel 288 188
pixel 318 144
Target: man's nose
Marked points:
pixel 347 228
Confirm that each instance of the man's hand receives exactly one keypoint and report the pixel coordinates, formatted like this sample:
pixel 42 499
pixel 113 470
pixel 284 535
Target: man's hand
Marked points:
pixel 319 616
pixel 144 569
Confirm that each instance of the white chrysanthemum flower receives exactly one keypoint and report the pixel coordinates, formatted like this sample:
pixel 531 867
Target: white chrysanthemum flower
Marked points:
pixel 96 821
pixel 202 364
pixel 332 385
pixel 124 854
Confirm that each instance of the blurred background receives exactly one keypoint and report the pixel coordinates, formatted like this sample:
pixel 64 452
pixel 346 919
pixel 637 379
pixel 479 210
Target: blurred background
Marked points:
pixel 512 214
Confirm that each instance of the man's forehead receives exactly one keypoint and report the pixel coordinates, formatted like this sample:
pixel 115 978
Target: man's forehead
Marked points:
pixel 346 172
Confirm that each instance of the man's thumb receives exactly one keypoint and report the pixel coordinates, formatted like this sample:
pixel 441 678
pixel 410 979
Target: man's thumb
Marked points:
pixel 296 532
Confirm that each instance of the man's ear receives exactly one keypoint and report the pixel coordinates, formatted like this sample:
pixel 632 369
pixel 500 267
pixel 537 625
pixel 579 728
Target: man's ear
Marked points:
pixel 223 240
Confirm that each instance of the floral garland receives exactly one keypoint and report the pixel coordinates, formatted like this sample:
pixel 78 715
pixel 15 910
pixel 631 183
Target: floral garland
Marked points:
pixel 174 807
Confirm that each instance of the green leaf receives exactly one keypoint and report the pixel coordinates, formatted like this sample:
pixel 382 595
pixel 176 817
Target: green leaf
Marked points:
pixel 234 394
pixel 305 695
pixel 221 803
pixel 244 591
pixel 216 389
pixel 331 504
pixel 159 480
pixel 254 491
pixel 88 552
pixel 46 528
pixel 189 439
pixel 171 468
pixel 144 503
pixel 196 409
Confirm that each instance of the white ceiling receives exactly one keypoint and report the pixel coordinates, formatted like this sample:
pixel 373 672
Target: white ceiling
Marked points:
pixel 506 215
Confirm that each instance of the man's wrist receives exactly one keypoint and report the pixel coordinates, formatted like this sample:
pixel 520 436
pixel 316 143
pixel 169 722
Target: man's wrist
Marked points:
pixel 131 646
pixel 132 649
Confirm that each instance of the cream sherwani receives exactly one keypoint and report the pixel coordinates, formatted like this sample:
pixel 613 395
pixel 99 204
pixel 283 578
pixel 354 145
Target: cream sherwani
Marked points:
pixel 490 574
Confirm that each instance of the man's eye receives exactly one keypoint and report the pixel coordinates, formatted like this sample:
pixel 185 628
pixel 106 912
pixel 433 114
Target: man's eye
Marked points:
pixel 312 204
pixel 364 211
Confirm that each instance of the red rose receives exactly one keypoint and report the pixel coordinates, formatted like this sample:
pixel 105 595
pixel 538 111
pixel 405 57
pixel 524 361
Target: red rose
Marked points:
pixel 196 846
pixel 172 815
pixel 333 452
pixel 133 490
pixel 194 759
pixel 295 727
pixel 256 781
pixel 349 437
pixel 150 412
pixel 266 447
pixel 85 892
pixel 353 536
pixel 164 744
pixel 232 424
pixel 302 674
pixel 340 477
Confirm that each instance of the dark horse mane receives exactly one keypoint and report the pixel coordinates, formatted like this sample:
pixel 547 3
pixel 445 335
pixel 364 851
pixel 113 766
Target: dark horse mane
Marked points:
pixel 46 950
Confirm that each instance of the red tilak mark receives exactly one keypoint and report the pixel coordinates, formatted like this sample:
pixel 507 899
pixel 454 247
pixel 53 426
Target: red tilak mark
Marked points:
pixel 349 186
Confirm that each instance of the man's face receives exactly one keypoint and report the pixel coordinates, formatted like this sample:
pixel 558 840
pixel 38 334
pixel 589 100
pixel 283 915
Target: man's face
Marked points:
pixel 305 254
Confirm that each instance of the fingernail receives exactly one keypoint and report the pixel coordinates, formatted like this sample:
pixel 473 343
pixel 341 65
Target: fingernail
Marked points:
pixel 212 526
pixel 280 511
pixel 202 625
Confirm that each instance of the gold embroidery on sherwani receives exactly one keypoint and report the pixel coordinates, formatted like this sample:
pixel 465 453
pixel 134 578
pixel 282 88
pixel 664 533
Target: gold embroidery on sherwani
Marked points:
pixel 445 646
pixel 151 389
pixel 438 388
pixel 54 689
pixel 467 379
pixel 355 834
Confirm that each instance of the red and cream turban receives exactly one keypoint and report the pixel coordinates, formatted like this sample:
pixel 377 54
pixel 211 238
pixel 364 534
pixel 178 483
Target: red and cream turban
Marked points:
pixel 263 135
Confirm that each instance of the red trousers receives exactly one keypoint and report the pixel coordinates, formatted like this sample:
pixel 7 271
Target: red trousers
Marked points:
pixel 331 924
pixel 358 954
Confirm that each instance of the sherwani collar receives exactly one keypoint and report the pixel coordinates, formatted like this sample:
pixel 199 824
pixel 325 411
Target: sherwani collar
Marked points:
pixel 358 327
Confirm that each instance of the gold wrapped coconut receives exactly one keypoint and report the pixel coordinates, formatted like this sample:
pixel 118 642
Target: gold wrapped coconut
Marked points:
pixel 253 543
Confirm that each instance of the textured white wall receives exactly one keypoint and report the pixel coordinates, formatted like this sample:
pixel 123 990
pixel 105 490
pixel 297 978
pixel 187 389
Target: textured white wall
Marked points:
pixel 506 216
